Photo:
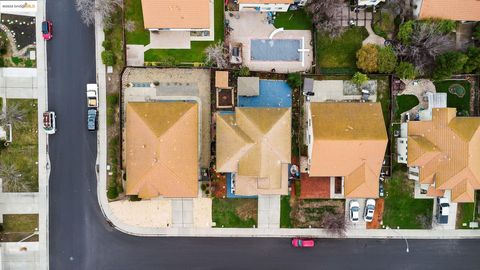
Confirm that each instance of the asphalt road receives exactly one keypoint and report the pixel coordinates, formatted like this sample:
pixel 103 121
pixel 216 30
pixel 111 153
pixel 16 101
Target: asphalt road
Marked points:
pixel 80 239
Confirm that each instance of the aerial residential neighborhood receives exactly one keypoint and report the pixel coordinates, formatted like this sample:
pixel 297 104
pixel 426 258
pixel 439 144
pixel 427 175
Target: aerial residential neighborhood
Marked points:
pixel 239 134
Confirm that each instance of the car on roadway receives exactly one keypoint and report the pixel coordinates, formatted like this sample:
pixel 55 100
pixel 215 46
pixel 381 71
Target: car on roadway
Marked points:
pixel 47 29
pixel 369 210
pixel 354 208
pixel 92 119
pixel 303 242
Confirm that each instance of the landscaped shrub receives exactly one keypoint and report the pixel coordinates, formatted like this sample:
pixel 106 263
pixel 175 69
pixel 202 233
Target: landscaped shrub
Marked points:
pixel 244 71
pixel 359 78
pixel 473 63
pixel 444 26
pixel 405 32
pixel 2 62
pixel 108 58
pixel 386 59
pixel 107 44
pixel 476 31
pixel 294 80
pixel 406 70
pixel 112 192
pixel 29 63
pixel 449 63
pixel 17 60
pixel 203 187
pixel 367 58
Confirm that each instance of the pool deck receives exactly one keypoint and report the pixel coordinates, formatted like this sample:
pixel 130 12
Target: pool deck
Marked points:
pixel 253 25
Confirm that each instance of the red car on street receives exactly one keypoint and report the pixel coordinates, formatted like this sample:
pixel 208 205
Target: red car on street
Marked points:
pixel 302 242
pixel 47 28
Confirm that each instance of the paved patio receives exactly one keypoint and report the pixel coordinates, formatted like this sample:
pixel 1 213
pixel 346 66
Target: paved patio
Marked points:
pixel 314 187
pixel 252 25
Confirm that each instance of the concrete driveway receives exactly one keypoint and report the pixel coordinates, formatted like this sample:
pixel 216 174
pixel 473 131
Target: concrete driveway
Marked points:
pixel 361 224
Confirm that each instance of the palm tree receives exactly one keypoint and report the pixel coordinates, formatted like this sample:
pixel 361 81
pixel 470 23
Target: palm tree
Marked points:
pixel 12 179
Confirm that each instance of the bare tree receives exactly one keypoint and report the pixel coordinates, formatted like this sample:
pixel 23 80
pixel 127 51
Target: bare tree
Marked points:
pixel 130 26
pixel 427 42
pixel 325 15
pixel 217 55
pixel 12 179
pixel 13 115
pixel 334 223
pixel 105 8
pixel 400 8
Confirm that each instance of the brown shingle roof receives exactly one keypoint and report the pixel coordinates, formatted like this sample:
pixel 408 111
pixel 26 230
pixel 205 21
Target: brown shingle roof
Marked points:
pixel 162 149
pixel 349 140
pixel 254 142
pixel 464 10
pixel 176 14
pixel 455 158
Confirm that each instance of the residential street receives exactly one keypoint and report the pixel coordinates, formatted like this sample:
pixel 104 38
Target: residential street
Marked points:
pixel 80 239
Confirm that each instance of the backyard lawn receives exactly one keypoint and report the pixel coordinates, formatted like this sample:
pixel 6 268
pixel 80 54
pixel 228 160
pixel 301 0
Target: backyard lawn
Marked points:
pixel 293 20
pixel 458 96
pixel 197 51
pixel 405 103
pixel 285 209
pixel 339 54
pixel 133 12
pixel 401 209
pixel 21 156
pixel 235 213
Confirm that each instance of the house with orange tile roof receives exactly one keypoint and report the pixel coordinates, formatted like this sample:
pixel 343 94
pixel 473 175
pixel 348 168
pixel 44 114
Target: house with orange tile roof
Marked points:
pixel 255 145
pixel 161 149
pixel 465 10
pixel 347 142
pixel 444 155
pixel 266 5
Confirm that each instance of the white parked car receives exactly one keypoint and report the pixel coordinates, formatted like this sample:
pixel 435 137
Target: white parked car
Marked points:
pixel 369 210
pixel 354 207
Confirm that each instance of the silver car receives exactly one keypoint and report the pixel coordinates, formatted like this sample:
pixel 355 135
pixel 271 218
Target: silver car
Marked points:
pixel 354 207
pixel 369 210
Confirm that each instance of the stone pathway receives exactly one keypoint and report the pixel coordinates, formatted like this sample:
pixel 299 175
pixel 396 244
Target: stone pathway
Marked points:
pixel 372 37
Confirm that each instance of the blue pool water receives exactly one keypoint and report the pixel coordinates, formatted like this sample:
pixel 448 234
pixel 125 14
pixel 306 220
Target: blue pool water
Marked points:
pixel 276 94
pixel 275 49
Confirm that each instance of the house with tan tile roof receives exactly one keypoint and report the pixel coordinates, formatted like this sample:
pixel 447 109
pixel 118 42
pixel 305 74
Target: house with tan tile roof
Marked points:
pixel 176 15
pixel 161 149
pixel 255 145
pixel 266 5
pixel 464 10
pixel 347 141
pixel 446 153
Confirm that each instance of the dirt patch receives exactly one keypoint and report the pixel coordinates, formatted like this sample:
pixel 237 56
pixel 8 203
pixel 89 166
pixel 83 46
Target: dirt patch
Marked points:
pixel 247 210
pixel 377 218
pixel 309 213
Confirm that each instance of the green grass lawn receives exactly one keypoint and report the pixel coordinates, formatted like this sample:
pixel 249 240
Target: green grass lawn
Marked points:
pixel 234 213
pixel 340 53
pixel 22 153
pixel 20 223
pixel 133 12
pixel 293 20
pixel 197 51
pixel 465 215
pixel 405 103
pixel 453 101
pixel 383 96
pixel 285 209
pixel 401 209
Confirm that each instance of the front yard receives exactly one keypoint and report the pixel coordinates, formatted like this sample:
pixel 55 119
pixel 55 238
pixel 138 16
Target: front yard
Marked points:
pixel 465 214
pixel 17 227
pixel 133 14
pixel 306 213
pixel 293 20
pixel 285 209
pixel 401 209
pixel 234 213
pixel 458 94
pixel 19 159
pixel 196 53
pixel 339 55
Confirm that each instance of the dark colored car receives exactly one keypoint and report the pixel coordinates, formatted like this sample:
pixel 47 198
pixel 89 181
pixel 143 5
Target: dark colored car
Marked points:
pixel 92 119
pixel 47 28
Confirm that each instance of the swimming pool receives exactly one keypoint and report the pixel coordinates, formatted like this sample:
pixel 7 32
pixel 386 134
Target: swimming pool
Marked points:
pixel 273 94
pixel 275 49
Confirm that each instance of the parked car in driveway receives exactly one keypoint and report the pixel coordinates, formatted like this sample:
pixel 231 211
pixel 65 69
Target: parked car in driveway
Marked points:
pixel 303 242
pixel 47 28
pixel 369 210
pixel 354 207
